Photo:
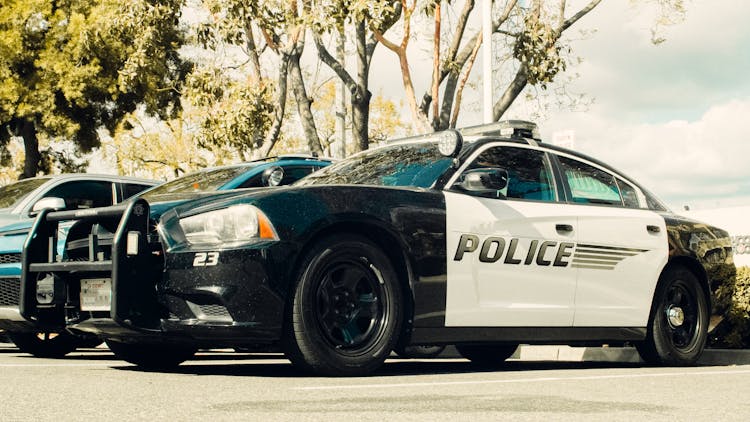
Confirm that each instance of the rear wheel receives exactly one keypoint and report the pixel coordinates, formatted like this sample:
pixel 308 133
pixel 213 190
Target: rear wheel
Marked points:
pixel 150 355
pixel 45 345
pixel 419 351
pixel 677 326
pixel 346 309
pixel 487 355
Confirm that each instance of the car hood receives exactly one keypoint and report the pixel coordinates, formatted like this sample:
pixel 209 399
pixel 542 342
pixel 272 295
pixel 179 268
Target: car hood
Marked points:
pixel 192 200
pixel 7 219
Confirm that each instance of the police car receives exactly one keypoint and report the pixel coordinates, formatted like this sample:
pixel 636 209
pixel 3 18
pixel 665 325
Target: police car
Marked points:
pixel 483 238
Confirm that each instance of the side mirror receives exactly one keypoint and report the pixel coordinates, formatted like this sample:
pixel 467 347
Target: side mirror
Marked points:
pixel 272 176
pixel 485 179
pixel 52 202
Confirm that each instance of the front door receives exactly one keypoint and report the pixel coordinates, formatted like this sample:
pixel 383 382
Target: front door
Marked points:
pixel 509 243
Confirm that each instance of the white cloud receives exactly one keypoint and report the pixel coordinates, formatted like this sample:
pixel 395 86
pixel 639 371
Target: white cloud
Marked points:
pixel 681 161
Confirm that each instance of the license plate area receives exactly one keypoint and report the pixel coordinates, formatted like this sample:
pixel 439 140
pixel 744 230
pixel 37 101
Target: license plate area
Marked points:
pixel 96 294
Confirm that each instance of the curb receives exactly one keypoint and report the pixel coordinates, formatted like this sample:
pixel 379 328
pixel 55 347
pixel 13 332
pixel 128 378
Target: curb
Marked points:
pixel 710 357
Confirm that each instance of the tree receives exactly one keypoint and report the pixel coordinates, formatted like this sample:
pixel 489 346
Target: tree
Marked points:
pixel 535 43
pixel 366 17
pixel 384 117
pixel 531 43
pixel 72 67
pixel 263 28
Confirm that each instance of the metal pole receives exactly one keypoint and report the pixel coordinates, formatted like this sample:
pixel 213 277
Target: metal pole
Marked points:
pixel 487 60
pixel 341 100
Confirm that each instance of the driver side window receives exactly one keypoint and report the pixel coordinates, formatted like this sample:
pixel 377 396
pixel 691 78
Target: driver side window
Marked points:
pixel 508 173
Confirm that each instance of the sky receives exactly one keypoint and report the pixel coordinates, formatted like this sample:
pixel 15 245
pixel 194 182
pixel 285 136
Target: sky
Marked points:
pixel 676 116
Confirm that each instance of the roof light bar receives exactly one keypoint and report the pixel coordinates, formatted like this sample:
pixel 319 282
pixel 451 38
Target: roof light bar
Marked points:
pixel 516 129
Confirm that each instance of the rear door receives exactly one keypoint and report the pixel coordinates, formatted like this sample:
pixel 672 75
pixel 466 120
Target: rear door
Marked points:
pixel 622 247
pixel 509 248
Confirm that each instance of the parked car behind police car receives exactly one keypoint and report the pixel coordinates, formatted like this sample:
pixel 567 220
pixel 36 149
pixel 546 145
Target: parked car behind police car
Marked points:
pixel 44 340
pixel 19 203
pixel 484 239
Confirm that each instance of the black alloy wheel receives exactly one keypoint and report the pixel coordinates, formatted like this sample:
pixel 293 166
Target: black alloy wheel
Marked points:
pixel 349 310
pixel 677 327
pixel 346 309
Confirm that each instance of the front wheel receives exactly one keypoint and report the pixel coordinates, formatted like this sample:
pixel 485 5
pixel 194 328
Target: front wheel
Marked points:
pixel 346 310
pixel 45 345
pixel 677 328
pixel 152 356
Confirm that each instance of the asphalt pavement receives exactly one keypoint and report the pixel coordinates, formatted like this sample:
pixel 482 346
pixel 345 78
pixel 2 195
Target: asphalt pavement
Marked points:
pixel 221 385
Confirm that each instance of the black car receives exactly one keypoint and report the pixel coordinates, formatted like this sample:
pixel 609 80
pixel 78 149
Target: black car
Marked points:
pixel 484 238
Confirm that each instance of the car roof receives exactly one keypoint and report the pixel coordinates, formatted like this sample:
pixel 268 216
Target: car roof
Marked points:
pixel 95 176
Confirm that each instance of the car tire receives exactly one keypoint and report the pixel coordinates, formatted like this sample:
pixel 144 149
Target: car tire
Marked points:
pixel 677 328
pixel 45 345
pixel 487 355
pixel 346 310
pixel 419 351
pixel 88 342
pixel 152 355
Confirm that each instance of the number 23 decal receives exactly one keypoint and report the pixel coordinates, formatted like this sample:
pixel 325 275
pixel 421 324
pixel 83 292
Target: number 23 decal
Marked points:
pixel 206 259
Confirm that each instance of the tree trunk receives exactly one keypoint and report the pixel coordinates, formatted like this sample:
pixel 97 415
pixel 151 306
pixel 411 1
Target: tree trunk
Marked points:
pixel 31 149
pixel 510 94
pixel 273 132
pixel 303 106
pixel 361 98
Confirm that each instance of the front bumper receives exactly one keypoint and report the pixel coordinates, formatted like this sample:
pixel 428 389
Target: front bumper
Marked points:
pixel 236 297
pixel 238 301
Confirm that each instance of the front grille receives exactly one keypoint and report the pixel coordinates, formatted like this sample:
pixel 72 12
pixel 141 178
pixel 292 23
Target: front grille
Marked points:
pixel 10 291
pixel 214 311
pixel 10 258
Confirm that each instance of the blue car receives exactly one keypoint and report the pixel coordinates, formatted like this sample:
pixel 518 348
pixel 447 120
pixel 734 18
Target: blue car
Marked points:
pixel 50 342
pixel 19 203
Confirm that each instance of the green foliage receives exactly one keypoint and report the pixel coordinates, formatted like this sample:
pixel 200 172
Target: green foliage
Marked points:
pixel 235 113
pixel 329 15
pixel 734 331
pixel 71 67
pixel 537 47
pixel 232 18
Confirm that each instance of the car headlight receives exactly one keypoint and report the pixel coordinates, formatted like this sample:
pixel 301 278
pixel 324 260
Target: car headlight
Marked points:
pixel 238 223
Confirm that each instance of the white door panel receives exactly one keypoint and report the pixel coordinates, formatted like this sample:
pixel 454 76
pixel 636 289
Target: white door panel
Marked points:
pixel 496 274
pixel 619 261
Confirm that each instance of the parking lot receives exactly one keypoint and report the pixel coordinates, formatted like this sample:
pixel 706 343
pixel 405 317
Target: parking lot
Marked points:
pixel 224 385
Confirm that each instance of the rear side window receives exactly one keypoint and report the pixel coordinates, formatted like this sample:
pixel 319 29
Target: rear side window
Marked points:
pixel 589 184
pixel 130 189
pixel 629 194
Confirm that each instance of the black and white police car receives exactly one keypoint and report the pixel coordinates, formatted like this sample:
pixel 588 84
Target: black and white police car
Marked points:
pixel 483 238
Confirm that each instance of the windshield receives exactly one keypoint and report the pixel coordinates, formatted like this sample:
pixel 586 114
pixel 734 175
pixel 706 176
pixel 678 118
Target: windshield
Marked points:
pixel 13 193
pixel 417 164
pixel 202 181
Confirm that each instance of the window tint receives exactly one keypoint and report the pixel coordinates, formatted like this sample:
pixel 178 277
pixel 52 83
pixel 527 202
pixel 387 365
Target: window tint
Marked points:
pixel 629 194
pixel 292 174
pixel 130 189
pixel 589 184
pixel 417 164
pixel 83 194
pixel 507 172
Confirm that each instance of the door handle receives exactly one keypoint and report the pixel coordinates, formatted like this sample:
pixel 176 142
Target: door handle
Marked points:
pixel 653 229
pixel 564 228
